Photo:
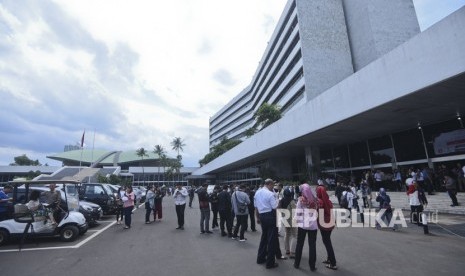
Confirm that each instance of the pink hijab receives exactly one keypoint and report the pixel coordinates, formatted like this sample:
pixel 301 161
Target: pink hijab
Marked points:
pixel 308 200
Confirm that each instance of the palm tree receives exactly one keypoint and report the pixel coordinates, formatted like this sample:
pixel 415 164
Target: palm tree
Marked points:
pixel 160 151
pixel 141 153
pixel 177 145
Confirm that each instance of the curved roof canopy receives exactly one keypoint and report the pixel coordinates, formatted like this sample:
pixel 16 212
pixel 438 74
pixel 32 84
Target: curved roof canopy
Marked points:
pixel 103 157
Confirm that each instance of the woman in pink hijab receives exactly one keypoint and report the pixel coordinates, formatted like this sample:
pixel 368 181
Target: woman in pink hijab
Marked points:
pixel 306 218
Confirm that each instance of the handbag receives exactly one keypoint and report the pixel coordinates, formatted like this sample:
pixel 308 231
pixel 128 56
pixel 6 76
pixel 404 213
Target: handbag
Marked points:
pixel 241 207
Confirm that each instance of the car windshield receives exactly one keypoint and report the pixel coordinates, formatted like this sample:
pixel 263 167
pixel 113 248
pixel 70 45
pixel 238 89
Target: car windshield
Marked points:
pixel 72 197
pixel 107 189
pixel 112 188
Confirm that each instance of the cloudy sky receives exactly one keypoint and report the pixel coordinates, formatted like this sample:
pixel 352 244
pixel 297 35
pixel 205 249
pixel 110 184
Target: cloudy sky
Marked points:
pixel 136 73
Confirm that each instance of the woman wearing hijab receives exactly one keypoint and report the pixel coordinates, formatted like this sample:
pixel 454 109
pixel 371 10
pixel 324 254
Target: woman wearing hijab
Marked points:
pixel 384 203
pixel 306 218
pixel 290 235
pixel 326 224
pixel 414 200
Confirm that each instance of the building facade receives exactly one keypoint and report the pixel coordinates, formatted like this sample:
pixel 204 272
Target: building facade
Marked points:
pixel 360 88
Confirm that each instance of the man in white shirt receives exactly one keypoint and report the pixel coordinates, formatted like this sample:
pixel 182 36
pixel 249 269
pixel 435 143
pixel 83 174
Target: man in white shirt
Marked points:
pixel 265 209
pixel 180 195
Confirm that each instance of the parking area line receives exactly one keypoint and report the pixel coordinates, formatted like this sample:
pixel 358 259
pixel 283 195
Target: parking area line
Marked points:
pixel 95 235
pixel 97 232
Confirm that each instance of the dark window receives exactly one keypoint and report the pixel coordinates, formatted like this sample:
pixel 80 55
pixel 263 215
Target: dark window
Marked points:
pixel 409 145
pixel 381 150
pixel 341 157
pixel 359 154
pixel 326 160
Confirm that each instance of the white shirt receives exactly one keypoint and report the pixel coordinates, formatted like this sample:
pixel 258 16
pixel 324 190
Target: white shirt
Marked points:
pixel 413 199
pixel 350 198
pixel 180 196
pixel 265 201
pixel 33 205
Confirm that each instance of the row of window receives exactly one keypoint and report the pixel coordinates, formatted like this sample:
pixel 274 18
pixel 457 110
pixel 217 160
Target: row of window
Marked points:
pixel 439 140
pixel 262 76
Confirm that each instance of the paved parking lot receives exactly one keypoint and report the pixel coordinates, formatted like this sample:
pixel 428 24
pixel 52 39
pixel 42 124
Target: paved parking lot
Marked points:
pixel 49 243
pixel 160 249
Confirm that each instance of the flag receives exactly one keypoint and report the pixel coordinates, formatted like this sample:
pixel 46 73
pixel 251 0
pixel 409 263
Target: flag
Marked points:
pixel 82 139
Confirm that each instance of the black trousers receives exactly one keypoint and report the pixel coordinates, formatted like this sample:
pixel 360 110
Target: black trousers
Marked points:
pixel 301 233
pixel 415 216
pixel 326 236
pixel 119 212
pixel 252 218
pixel 226 218
pixel 242 223
pixel 453 196
pixel 215 216
pixel 267 247
pixel 148 211
pixel 180 214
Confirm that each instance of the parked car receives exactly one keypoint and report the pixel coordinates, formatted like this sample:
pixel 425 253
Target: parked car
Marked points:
pixel 100 194
pixel 140 193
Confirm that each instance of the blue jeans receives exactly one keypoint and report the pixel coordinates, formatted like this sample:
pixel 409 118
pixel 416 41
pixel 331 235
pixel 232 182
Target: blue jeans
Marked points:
pixel 204 220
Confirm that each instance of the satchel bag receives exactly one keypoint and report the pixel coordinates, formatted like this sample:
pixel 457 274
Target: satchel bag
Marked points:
pixel 241 207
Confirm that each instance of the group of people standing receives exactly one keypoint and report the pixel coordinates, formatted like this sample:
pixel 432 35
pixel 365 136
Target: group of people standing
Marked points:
pixel 126 202
pixel 306 220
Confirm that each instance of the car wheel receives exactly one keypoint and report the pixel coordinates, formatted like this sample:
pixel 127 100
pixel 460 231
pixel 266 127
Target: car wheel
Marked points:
pixel 4 235
pixel 69 233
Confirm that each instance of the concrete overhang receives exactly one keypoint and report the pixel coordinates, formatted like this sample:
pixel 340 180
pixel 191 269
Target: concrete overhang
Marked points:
pixel 421 81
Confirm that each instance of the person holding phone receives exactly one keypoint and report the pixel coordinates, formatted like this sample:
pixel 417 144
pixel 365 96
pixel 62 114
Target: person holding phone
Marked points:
pixel 128 199
pixel 180 194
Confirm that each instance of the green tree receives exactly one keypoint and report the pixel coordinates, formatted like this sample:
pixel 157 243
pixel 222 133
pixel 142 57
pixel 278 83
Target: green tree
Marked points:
pixel 250 132
pixel 160 151
pixel 266 115
pixel 217 150
pixel 23 160
pixel 177 145
pixel 142 153
pixel 102 178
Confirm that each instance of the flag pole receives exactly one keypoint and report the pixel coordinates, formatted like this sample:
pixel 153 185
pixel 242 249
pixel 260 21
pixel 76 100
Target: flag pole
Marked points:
pixel 92 155
pixel 82 149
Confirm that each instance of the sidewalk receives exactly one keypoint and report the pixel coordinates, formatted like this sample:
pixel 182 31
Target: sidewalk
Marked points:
pixel 439 202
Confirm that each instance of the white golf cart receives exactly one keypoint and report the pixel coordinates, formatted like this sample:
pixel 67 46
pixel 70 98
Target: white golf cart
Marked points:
pixel 70 224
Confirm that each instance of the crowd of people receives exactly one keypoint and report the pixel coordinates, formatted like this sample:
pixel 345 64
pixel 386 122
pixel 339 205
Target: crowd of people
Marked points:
pixel 241 203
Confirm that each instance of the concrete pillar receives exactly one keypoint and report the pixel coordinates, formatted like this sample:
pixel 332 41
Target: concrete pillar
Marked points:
pixel 325 44
pixel 376 27
pixel 312 157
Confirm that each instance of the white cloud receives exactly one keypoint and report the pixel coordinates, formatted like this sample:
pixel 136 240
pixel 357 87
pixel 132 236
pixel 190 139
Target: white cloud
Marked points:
pixel 137 72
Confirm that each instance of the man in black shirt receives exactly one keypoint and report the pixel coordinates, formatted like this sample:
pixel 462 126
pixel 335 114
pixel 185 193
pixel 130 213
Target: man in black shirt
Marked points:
pixel 224 208
pixel 214 206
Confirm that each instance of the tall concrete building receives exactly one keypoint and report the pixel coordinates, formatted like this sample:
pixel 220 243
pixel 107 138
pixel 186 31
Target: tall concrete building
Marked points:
pixel 359 88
